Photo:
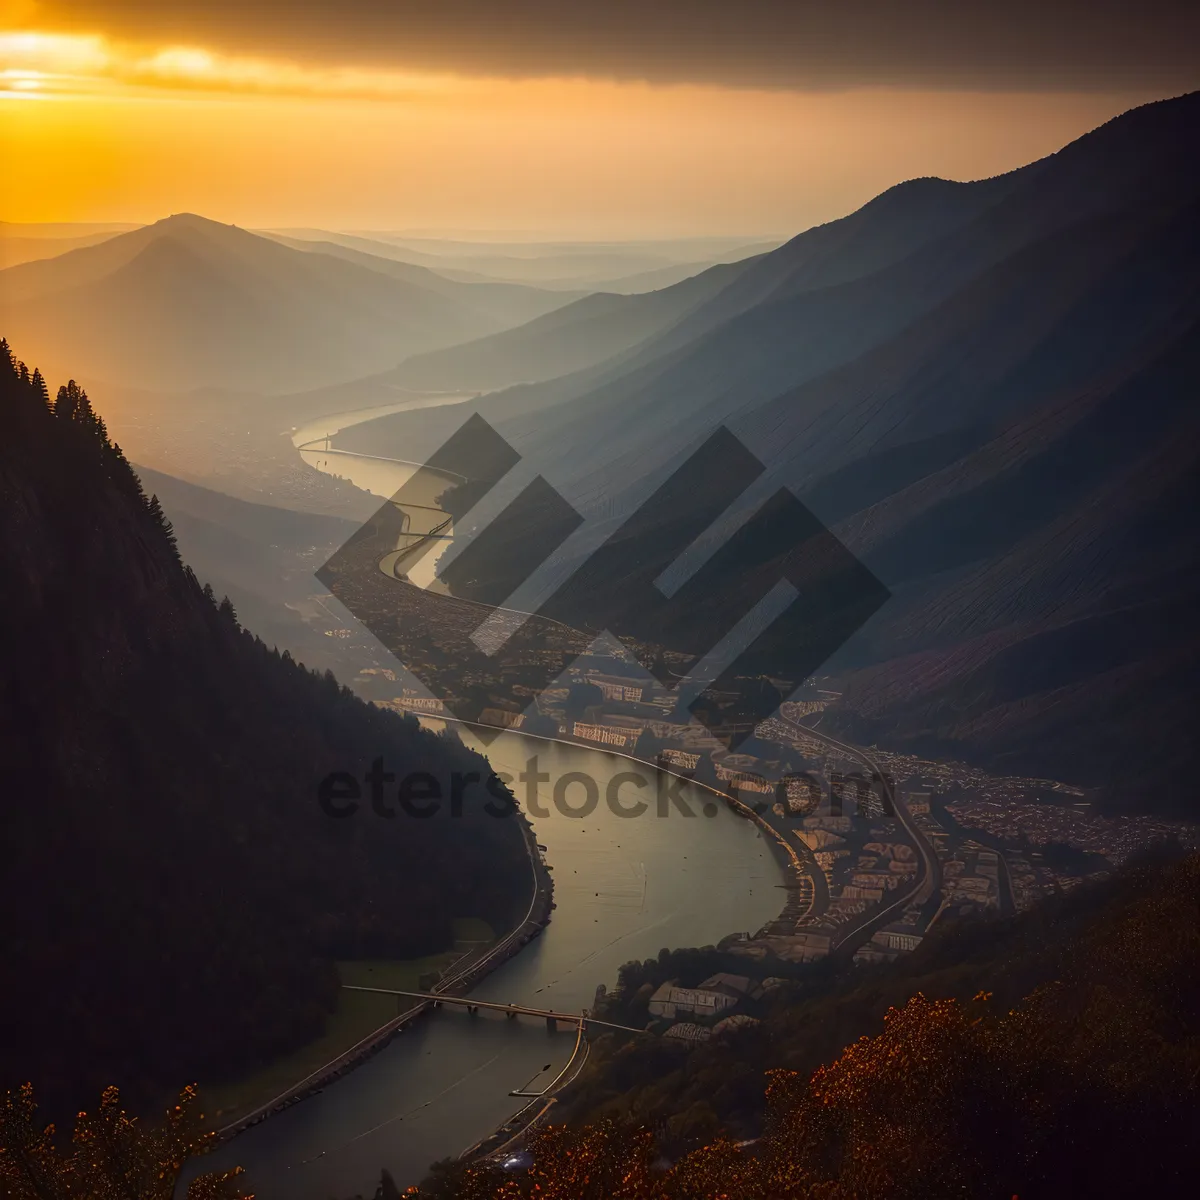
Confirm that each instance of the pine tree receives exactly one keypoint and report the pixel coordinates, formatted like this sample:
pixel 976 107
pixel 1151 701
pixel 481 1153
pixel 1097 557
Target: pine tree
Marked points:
pixel 229 612
pixel 155 509
pixel 39 386
pixel 65 402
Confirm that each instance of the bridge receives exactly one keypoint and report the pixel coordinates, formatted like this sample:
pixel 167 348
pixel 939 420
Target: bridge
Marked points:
pixel 512 1010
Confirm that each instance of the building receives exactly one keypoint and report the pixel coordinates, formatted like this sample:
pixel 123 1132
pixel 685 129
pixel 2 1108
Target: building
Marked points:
pixel 897 939
pixel 732 985
pixel 804 946
pixel 606 735
pixel 873 879
pixel 831 823
pixel 917 802
pixel 854 892
pixel 745 780
pixel 421 703
pixel 685 1031
pixel 680 758
pixel 670 1000
pixel 613 687
pixel 502 718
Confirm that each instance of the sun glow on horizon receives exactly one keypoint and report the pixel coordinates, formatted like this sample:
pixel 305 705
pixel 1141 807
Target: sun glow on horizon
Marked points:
pixel 107 130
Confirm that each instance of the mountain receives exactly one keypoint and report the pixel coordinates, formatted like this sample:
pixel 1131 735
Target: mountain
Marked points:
pixel 987 391
pixel 654 384
pixel 508 304
pixel 582 334
pixel 174 899
pixel 25 243
pixel 188 303
pixel 838 291
pixel 262 557
pixel 623 267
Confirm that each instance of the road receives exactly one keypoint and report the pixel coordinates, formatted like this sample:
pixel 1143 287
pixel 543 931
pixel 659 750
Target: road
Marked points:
pixel 930 878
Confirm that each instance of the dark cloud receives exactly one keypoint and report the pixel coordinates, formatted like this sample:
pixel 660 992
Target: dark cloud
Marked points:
pixel 1025 44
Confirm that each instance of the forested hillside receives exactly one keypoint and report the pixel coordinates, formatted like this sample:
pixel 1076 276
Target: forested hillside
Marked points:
pixel 174 899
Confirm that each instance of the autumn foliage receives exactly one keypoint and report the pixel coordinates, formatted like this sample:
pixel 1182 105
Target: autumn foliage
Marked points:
pixel 112 1156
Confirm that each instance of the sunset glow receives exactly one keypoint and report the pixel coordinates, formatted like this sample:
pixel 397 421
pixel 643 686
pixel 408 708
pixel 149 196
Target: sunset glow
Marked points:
pixel 116 130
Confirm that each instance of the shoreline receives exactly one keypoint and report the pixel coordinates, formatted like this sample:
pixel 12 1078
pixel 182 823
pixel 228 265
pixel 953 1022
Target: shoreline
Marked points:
pixel 463 978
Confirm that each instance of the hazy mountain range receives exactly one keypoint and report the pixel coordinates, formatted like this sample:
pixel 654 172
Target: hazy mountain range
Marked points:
pixel 187 302
pixel 622 267
pixel 587 332
pixel 988 389
pixel 26 242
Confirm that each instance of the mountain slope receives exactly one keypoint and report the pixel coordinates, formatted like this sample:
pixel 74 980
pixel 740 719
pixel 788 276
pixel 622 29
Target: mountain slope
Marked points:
pixel 28 243
pixel 189 303
pixel 507 304
pixel 623 267
pixel 988 391
pixel 260 556
pixel 580 335
pixel 174 898
pixel 835 293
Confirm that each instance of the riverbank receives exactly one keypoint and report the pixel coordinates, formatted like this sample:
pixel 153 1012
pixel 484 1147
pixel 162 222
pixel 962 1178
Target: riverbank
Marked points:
pixel 465 972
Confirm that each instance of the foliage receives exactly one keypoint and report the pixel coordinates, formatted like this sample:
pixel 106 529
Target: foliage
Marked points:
pixel 113 1156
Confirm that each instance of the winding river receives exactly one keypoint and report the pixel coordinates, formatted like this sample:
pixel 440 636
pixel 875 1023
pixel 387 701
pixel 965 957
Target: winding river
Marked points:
pixel 624 888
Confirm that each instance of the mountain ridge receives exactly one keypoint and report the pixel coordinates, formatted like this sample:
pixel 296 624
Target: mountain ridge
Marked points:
pixel 109 311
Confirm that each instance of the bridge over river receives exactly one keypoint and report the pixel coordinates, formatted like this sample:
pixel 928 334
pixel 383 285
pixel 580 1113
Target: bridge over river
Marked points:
pixel 513 1010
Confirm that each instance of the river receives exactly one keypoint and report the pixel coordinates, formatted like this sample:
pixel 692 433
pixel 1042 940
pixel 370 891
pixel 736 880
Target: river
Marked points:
pixel 624 888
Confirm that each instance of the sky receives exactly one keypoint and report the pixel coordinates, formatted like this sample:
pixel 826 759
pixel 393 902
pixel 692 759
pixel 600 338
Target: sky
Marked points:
pixel 533 118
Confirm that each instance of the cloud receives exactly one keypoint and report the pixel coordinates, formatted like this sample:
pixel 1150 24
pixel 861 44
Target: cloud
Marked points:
pixel 36 66
pixel 1027 45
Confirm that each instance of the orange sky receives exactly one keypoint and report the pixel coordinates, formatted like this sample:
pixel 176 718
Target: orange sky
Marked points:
pixel 114 131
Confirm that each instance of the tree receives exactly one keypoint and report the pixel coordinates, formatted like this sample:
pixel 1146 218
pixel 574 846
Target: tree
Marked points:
pixel 159 517
pixel 38 384
pixel 229 612
pixel 113 1156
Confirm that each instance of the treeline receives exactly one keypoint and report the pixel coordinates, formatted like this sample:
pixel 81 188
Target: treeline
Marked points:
pixel 1087 1085
pixel 173 897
